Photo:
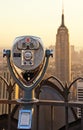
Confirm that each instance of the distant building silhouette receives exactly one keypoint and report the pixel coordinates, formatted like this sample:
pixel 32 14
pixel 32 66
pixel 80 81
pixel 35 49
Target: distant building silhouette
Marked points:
pixel 3 87
pixel 62 53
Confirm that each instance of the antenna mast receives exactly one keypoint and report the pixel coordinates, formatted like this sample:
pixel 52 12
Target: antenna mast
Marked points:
pixel 62 22
pixel 62 6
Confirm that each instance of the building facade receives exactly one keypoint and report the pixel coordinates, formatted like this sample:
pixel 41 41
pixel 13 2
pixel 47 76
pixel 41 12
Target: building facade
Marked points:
pixel 79 95
pixel 3 86
pixel 62 53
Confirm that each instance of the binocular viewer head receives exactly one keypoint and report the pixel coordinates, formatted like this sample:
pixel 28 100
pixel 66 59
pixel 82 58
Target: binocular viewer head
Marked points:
pixel 28 53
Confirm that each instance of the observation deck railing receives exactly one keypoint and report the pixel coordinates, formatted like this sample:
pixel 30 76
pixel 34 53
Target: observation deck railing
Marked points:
pixel 51 103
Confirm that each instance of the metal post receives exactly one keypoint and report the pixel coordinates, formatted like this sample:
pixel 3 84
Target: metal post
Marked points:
pixel 66 117
pixel 52 116
pixel 9 117
pixel 82 118
pixel 37 117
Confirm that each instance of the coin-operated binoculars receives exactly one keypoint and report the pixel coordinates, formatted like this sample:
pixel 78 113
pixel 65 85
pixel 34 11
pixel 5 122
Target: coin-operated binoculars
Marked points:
pixel 27 63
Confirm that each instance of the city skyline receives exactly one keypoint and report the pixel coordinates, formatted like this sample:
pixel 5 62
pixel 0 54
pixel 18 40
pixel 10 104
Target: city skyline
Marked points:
pixel 40 18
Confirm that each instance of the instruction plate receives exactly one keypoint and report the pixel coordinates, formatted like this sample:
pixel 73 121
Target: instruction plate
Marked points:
pixel 25 118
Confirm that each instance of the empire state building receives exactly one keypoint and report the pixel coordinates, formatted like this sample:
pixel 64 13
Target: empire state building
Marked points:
pixel 62 53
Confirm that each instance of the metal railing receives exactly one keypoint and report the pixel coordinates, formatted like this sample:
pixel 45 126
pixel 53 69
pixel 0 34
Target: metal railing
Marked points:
pixel 51 103
pixel 38 103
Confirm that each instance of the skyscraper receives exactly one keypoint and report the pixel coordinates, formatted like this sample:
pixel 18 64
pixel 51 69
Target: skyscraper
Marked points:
pixel 62 53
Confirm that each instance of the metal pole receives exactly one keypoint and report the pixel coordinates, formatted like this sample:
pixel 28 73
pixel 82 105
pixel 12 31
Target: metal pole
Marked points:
pixel 82 118
pixel 37 117
pixel 52 117
pixel 9 117
pixel 66 91
pixel 66 117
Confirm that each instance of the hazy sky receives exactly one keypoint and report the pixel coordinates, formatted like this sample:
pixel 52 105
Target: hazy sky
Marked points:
pixel 40 18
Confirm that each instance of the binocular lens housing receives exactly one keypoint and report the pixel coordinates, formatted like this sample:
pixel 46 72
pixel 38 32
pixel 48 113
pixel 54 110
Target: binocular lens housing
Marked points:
pixel 32 44
pixel 28 53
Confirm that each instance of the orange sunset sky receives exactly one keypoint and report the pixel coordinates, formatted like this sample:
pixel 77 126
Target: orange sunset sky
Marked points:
pixel 40 18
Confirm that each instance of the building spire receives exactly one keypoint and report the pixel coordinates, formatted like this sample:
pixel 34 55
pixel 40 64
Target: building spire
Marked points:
pixel 62 22
pixel 62 7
